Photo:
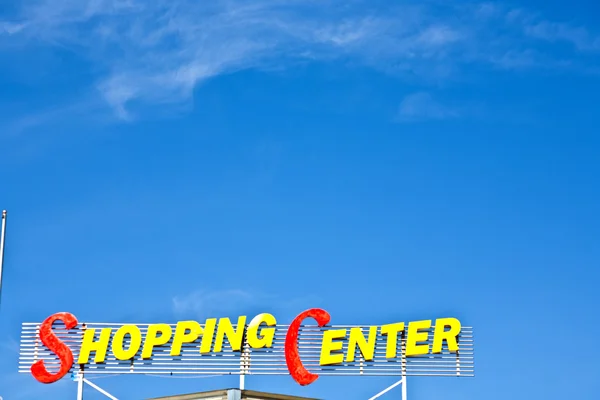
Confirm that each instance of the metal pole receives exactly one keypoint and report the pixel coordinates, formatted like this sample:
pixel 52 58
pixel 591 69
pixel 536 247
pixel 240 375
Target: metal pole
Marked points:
pixel 104 392
pixel 244 365
pixel 80 386
pixel 384 391
pixel 404 365
pixel 2 237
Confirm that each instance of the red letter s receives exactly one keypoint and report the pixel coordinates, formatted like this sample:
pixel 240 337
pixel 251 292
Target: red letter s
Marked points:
pixel 292 356
pixel 49 339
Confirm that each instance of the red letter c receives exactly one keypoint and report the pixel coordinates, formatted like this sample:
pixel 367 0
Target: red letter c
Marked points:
pixel 54 344
pixel 292 355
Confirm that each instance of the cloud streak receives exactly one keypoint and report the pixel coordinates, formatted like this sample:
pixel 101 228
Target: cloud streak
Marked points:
pixel 157 51
pixel 228 302
pixel 212 303
pixel 420 106
pixel 556 32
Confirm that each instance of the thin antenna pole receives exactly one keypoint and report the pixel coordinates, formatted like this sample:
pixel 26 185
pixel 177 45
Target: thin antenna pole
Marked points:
pixel 2 237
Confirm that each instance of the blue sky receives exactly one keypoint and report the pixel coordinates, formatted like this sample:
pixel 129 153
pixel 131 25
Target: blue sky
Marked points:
pixel 164 160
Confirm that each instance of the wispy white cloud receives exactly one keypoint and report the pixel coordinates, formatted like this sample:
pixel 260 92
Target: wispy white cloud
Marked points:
pixel 534 26
pixel 578 36
pixel 65 114
pixel 158 51
pixel 10 28
pixel 229 302
pixel 213 303
pixel 421 105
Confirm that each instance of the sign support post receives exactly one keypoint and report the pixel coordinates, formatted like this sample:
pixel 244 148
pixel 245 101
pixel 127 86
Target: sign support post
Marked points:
pixel 81 380
pixel 384 391
pixel 403 347
pixel 244 365
pixel 242 368
pixel 401 381
pixel 80 386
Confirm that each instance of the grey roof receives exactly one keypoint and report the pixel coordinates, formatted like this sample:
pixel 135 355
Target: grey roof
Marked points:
pixel 232 394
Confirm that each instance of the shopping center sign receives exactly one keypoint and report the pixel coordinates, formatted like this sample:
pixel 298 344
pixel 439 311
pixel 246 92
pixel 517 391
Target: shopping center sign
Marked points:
pixel 61 344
